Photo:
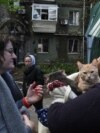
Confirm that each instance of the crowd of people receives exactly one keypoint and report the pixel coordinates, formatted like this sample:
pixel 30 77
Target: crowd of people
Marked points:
pixel 82 114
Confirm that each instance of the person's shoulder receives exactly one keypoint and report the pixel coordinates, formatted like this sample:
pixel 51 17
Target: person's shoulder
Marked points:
pixel 96 86
pixel 37 68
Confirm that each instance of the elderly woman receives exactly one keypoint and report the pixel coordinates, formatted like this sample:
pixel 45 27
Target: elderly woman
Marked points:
pixel 31 74
pixel 11 120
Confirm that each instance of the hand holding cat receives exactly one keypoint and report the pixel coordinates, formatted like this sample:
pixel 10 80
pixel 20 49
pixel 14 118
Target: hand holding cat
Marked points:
pixel 60 92
pixel 54 84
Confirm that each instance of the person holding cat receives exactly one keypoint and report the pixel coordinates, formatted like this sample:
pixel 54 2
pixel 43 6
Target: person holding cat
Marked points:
pixel 75 113
pixel 81 114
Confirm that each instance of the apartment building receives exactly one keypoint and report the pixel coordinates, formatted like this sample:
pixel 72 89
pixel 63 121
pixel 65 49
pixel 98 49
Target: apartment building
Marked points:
pixel 57 29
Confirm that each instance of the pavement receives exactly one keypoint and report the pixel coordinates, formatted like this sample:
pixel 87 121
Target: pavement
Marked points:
pixel 33 116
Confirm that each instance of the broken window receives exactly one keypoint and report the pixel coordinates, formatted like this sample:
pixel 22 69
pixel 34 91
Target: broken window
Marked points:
pixel 44 12
pixel 43 44
pixel 73 46
pixel 74 18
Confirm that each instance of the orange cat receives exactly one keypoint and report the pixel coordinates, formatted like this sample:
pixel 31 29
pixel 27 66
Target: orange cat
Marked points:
pixel 88 75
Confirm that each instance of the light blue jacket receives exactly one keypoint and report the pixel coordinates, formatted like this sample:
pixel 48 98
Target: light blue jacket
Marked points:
pixel 10 118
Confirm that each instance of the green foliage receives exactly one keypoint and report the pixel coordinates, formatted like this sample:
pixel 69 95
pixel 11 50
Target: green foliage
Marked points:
pixel 4 2
pixel 11 6
pixel 46 68
pixel 68 67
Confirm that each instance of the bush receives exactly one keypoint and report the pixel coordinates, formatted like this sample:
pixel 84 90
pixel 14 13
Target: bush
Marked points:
pixel 54 66
pixel 47 68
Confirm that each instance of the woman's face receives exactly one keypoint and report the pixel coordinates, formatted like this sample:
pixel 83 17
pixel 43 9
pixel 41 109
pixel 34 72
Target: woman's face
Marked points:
pixel 28 61
pixel 9 56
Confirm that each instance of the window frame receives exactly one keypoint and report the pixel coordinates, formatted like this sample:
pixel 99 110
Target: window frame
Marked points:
pixel 37 11
pixel 72 47
pixel 75 18
pixel 42 43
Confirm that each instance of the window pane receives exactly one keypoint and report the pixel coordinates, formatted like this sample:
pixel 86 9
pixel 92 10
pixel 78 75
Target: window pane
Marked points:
pixel 40 48
pixel 43 45
pixel 75 49
pixel 70 45
pixel 73 46
pixel 36 14
pixel 70 17
pixel 74 17
pixel 52 14
pixel 44 14
pixel 77 18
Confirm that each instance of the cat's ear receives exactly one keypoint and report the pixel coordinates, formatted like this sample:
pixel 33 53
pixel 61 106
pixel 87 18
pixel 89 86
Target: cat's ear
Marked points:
pixel 64 73
pixel 46 77
pixel 62 70
pixel 79 64
pixel 95 62
pixel 98 59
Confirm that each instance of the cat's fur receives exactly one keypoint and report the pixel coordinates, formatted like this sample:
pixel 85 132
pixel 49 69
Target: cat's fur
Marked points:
pixel 88 75
pixel 98 60
pixel 61 76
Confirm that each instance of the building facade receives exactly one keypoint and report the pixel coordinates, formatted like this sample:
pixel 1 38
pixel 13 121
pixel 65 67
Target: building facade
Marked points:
pixel 57 29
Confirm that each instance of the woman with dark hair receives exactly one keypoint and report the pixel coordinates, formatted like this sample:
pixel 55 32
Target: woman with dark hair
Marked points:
pixel 11 120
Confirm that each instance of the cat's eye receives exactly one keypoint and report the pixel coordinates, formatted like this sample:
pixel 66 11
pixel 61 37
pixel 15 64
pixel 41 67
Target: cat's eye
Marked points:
pixel 92 71
pixel 85 72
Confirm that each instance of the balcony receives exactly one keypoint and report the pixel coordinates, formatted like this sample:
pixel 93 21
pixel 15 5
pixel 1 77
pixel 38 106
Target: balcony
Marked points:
pixel 44 17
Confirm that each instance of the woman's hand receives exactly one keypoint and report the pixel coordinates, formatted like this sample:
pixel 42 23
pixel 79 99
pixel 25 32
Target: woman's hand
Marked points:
pixel 28 122
pixel 34 93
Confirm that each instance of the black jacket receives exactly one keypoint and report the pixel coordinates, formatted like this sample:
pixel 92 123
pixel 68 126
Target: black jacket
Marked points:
pixel 81 115
pixel 32 74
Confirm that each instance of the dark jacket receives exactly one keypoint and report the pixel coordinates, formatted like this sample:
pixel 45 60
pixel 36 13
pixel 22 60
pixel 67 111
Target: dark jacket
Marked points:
pixel 32 74
pixel 80 115
pixel 15 90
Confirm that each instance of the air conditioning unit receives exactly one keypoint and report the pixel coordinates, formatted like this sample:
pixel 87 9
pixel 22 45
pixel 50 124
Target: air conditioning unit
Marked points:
pixel 21 11
pixel 64 21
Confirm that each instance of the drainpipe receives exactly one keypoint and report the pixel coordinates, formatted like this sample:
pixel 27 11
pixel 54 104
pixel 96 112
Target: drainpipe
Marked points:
pixel 83 26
